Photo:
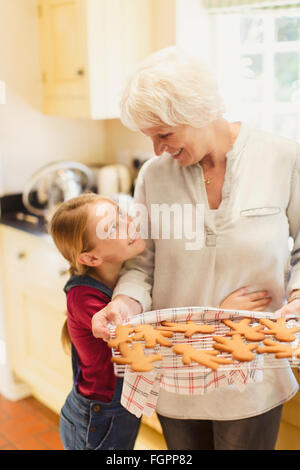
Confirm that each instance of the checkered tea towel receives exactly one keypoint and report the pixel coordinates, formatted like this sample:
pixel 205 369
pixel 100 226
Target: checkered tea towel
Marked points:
pixel 141 390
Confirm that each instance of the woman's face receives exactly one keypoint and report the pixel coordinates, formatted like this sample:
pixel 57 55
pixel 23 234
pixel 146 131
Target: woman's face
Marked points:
pixel 186 144
pixel 112 233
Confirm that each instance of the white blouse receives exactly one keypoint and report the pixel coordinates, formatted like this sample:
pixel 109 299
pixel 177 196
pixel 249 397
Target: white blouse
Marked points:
pixel 246 243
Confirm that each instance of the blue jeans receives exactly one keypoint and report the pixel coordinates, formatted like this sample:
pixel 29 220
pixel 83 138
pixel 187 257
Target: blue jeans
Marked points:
pixel 255 433
pixel 94 425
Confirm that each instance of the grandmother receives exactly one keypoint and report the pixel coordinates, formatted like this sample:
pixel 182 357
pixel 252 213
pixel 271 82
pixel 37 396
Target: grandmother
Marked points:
pixel 248 182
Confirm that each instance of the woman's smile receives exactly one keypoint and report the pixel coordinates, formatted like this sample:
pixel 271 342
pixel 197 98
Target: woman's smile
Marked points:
pixel 177 154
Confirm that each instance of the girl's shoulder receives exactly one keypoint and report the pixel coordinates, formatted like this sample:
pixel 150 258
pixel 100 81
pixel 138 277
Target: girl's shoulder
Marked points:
pixel 82 303
pixel 87 282
pixel 86 294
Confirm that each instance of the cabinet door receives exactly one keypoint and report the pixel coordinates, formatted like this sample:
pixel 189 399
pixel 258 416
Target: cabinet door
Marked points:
pixel 88 47
pixel 64 56
pixel 34 274
pixel 42 363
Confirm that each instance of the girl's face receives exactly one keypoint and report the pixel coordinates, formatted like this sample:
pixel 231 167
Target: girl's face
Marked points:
pixel 186 144
pixel 112 233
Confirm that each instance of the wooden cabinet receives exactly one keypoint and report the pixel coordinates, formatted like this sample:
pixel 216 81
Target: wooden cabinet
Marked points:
pixel 34 274
pixel 87 48
pixel 63 49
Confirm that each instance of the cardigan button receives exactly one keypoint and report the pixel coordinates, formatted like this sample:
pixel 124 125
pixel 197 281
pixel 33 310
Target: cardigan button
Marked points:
pixel 93 429
pixel 96 408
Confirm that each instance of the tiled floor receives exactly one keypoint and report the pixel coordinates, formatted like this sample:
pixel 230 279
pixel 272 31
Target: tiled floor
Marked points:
pixel 28 425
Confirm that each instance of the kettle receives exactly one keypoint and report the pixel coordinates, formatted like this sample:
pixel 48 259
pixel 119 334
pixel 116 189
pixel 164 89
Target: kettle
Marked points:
pixel 54 183
pixel 112 179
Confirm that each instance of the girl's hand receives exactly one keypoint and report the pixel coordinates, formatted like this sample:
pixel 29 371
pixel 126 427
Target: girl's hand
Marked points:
pixel 117 311
pixel 240 299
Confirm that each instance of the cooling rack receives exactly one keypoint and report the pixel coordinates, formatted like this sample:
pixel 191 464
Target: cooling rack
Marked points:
pixel 172 364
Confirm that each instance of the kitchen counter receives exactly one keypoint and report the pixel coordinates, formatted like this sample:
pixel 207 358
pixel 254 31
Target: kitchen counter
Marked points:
pixel 14 214
pixel 38 229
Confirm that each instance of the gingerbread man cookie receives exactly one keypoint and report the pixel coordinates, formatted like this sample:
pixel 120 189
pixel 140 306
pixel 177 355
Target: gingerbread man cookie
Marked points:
pixel 152 336
pixel 279 329
pixel 122 335
pixel 251 333
pixel 135 356
pixel 189 329
pixel 280 350
pixel 205 357
pixel 239 350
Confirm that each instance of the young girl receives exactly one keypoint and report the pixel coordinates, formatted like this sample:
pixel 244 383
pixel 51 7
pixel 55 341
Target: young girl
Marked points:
pixel 92 416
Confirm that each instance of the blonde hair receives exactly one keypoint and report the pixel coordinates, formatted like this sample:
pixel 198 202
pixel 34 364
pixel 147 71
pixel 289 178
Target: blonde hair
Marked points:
pixel 170 87
pixel 68 227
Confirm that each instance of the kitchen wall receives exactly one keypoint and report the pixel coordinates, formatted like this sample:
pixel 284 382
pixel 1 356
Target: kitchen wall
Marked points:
pixel 28 138
pixel 123 144
pixel 172 23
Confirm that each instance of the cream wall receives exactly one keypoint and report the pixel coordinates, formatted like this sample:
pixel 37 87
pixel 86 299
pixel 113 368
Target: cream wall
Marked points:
pixel 180 22
pixel 28 138
pixel 123 144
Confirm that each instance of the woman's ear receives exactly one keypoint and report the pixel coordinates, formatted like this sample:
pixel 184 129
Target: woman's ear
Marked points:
pixel 89 259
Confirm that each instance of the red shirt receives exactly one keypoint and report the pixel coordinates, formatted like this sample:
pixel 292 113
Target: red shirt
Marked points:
pixel 96 379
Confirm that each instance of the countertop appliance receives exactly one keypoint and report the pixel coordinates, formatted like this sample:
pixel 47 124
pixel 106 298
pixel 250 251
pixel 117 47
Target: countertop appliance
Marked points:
pixel 113 179
pixel 56 183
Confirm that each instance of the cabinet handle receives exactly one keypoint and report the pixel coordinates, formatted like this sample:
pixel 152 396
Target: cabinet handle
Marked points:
pixel 63 272
pixel 22 255
pixel 80 72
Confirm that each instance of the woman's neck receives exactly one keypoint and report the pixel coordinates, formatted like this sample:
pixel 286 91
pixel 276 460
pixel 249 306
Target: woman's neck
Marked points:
pixel 224 134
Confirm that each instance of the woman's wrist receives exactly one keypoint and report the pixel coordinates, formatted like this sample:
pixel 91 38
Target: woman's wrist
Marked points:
pixel 133 305
pixel 136 306
pixel 295 295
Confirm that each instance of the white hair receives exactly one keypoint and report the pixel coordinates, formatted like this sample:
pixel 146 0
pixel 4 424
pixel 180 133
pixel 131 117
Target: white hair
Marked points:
pixel 170 87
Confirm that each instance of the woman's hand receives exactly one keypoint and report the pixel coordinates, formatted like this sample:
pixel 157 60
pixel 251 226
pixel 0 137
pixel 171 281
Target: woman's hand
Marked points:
pixel 240 299
pixel 291 308
pixel 117 311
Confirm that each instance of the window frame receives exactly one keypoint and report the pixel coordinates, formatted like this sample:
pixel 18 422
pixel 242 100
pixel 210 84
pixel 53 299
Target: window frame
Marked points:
pixel 226 67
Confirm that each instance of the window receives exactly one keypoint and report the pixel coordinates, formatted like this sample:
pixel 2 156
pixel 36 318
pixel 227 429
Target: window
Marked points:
pixel 258 68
